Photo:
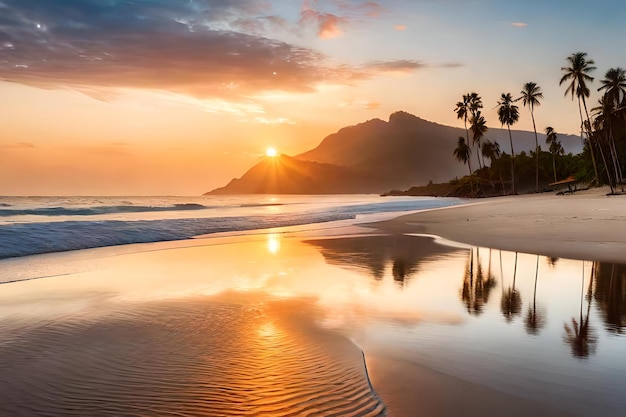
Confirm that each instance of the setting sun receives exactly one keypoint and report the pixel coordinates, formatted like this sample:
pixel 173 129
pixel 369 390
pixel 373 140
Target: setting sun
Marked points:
pixel 271 152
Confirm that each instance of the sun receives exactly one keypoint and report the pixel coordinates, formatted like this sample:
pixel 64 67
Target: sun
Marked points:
pixel 271 152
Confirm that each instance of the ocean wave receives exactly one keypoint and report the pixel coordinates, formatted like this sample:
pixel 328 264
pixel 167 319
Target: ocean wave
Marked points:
pixel 98 210
pixel 24 239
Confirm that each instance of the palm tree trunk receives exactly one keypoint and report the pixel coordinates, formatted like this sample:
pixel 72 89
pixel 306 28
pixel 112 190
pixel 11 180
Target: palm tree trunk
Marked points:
pixel 616 165
pixel 609 141
pixel 532 115
pixel 606 166
pixel 513 189
pixel 593 157
pixel 469 165
pixel 554 166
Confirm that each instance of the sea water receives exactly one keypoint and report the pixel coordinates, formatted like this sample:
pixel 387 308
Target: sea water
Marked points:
pixel 34 225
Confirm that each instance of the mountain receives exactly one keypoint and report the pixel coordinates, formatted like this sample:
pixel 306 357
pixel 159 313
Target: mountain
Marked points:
pixel 287 175
pixel 373 157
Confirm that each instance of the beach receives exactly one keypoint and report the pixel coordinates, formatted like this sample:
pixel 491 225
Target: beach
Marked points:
pixel 331 319
pixel 585 225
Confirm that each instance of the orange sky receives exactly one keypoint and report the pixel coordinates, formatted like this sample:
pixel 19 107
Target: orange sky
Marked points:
pixel 177 98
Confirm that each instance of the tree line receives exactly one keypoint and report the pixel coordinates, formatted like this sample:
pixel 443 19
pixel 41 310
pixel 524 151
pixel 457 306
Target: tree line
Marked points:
pixel 602 133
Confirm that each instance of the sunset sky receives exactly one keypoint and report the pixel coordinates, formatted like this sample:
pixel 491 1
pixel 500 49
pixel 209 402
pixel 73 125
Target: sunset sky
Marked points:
pixel 152 97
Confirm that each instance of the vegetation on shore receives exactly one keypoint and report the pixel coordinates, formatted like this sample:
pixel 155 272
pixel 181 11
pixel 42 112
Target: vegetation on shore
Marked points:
pixel 602 132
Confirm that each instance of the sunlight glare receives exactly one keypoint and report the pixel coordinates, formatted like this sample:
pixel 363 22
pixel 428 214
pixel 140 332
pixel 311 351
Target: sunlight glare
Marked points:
pixel 271 152
pixel 273 243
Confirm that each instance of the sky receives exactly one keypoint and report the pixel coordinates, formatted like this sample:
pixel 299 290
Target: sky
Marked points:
pixel 176 97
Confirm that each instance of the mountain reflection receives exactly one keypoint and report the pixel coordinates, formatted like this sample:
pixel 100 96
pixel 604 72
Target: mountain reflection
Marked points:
pixel 375 254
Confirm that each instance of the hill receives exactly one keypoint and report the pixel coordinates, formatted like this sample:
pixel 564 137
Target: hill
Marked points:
pixel 373 157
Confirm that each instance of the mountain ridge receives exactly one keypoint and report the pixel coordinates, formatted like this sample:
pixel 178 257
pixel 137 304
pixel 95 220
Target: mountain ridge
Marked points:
pixel 373 157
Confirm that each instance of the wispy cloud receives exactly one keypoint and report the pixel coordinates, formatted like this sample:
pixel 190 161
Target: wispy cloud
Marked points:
pixel 519 24
pixel 19 145
pixel 328 25
pixel 400 28
pixel 332 17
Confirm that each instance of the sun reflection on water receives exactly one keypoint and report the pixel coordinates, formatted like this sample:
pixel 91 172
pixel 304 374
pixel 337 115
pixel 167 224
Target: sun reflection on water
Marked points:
pixel 273 243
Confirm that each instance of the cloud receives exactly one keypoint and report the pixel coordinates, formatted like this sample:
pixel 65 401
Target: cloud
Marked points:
pixel 519 24
pixel 398 67
pixel 274 121
pixel 211 50
pixel 183 47
pixel 361 104
pixel 400 28
pixel 19 145
pixel 328 25
pixel 332 24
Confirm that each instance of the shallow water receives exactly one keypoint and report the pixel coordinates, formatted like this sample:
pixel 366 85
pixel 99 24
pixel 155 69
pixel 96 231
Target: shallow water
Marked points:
pixel 35 225
pixel 266 326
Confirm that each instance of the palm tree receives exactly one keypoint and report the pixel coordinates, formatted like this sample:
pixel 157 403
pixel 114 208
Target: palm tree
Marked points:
pixel 478 126
pixel 463 154
pixel 614 84
pixel 554 146
pixel 508 114
pixel 467 107
pixel 462 111
pixel 531 94
pixel 578 75
pixel 605 119
pixel 491 151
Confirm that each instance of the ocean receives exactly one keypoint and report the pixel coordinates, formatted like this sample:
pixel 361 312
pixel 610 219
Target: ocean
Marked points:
pixel 34 225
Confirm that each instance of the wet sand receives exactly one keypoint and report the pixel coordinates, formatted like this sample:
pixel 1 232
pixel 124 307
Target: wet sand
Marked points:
pixel 585 225
pixel 434 394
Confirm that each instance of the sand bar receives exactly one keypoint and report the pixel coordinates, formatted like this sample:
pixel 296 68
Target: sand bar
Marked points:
pixel 585 225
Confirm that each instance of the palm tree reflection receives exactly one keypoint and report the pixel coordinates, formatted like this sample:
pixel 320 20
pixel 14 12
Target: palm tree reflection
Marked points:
pixel 476 286
pixel 610 295
pixel 399 270
pixel 511 302
pixel 579 335
pixel 535 319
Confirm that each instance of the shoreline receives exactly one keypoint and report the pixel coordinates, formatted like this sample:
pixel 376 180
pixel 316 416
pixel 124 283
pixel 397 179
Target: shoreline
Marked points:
pixel 587 225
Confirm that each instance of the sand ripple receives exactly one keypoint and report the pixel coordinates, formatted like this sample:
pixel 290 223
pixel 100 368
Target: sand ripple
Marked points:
pixel 198 358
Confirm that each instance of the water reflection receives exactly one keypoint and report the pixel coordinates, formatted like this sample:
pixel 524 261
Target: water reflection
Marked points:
pixel 511 300
pixel 535 317
pixel 579 335
pixel 610 295
pixel 273 243
pixel 476 286
pixel 520 276
pixel 377 254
